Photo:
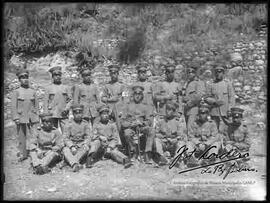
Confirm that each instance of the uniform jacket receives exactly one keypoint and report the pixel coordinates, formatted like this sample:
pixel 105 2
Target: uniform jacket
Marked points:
pixel 133 111
pixel 194 90
pixel 108 131
pixel 57 99
pixel 206 132
pixel 111 90
pixel 87 95
pixel 223 91
pixel 24 105
pixel 171 128
pixel 77 134
pixel 236 135
pixel 46 140
pixel 168 89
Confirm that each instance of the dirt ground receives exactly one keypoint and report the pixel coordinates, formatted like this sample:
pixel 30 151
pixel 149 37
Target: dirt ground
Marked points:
pixel 108 180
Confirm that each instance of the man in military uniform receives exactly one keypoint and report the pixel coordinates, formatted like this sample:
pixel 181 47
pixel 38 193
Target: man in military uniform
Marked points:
pixel 46 146
pixel 24 106
pixel 57 99
pixel 222 95
pixel 142 81
pixel 236 133
pixel 112 95
pixel 87 94
pixel 77 138
pixel 203 133
pixel 105 140
pixel 136 120
pixel 170 134
pixel 169 90
pixel 193 91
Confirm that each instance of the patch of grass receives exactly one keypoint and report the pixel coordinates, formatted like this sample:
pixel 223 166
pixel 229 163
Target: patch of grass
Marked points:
pixel 170 29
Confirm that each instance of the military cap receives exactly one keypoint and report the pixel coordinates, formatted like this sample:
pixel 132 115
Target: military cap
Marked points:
pixel 204 107
pixel 103 107
pixel 55 69
pixel 77 107
pixel 236 111
pixel 193 65
pixel 219 67
pixel 114 68
pixel 85 71
pixel 45 116
pixel 137 88
pixel 22 72
pixel 172 105
pixel 170 68
pixel 142 66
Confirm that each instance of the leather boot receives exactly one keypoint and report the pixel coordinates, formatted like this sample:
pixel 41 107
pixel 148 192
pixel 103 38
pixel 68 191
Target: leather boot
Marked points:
pixel 76 167
pixel 127 163
pixel 163 161
pixel 89 162
pixel 148 158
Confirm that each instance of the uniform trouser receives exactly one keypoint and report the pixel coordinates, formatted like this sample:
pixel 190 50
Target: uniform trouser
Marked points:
pixel 24 136
pixel 191 146
pixel 161 146
pixel 190 119
pixel 241 147
pixel 114 154
pixel 59 123
pixel 48 158
pixel 148 139
pixel 217 120
pixel 75 159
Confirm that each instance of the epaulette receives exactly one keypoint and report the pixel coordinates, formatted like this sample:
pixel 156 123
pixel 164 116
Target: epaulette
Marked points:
pixel 111 122
pixel 84 121
pixel 177 118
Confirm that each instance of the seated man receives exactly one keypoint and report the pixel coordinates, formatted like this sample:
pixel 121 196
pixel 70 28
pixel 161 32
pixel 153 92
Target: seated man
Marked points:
pixel 236 135
pixel 77 138
pixel 136 123
pixel 46 145
pixel 170 135
pixel 203 134
pixel 105 140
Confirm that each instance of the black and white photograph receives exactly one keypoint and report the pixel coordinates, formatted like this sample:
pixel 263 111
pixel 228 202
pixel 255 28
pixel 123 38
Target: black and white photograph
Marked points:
pixel 134 101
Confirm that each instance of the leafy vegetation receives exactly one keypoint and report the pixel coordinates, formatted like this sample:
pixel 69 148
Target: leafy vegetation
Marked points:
pixel 127 32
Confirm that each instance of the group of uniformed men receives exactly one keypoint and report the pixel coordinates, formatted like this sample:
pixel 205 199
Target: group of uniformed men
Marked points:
pixel 79 125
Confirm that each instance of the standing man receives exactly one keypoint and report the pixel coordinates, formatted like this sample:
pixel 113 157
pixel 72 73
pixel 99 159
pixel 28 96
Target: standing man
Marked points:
pixel 137 120
pixel 24 107
pixel 169 90
pixel 77 138
pixel 57 99
pixel 142 81
pixel 193 91
pixel 112 95
pixel 46 146
pixel 87 95
pixel 223 97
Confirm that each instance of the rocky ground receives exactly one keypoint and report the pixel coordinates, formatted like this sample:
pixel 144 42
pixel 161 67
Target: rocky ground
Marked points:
pixel 109 180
